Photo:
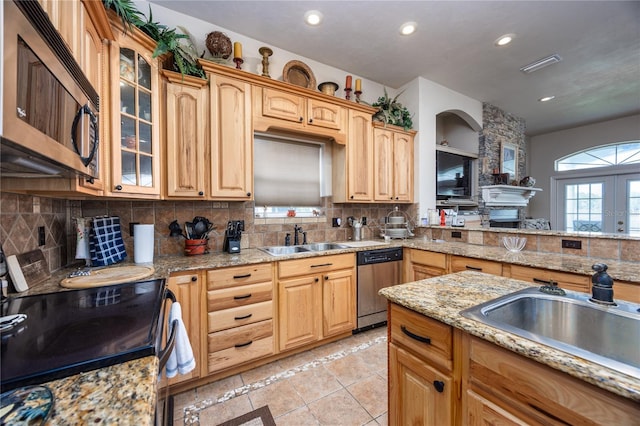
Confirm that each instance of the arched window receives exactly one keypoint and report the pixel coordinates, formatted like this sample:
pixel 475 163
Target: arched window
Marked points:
pixel 617 154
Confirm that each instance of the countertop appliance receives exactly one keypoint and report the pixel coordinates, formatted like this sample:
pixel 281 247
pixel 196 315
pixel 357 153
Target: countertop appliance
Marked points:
pixel 69 332
pixel 376 269
pixel 49 125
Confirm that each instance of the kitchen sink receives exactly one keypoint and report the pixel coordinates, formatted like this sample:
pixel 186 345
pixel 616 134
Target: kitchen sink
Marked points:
pixel 284 250
pixel 606 335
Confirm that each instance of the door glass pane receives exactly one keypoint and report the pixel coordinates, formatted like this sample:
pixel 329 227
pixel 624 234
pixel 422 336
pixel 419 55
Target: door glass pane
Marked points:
pixel 144 73
pixel 127 67
pixel 127 98
pixel 146 171
pixel 633 205
pixel 145 138
pixel 129 168
pixel 583 207
pixel 127 131
pixel 144 105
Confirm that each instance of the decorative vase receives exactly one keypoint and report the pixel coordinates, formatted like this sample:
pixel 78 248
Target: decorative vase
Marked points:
pixel 219 45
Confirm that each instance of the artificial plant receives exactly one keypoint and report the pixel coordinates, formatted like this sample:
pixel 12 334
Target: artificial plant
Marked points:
pixel 391 111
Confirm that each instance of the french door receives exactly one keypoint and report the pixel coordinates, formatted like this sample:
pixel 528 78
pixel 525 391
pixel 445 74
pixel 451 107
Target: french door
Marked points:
pixel 608 204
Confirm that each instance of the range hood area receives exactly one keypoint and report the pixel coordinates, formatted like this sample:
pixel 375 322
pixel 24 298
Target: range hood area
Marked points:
pixel 19 163
pixel 507 195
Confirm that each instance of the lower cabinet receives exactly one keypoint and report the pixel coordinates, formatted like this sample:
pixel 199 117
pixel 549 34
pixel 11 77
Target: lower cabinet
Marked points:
pixel 316 299
pixel 420 264
pixel 538 276
pixel 463 263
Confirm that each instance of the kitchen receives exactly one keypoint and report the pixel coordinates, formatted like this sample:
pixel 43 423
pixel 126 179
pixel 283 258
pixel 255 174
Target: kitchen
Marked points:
pixel 59 214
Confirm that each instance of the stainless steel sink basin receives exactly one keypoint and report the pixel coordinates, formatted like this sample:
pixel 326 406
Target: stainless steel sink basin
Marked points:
pixel 283 250
pixel 606 335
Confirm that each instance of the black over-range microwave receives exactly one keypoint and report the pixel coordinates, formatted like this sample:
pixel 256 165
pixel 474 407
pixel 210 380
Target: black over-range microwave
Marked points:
pixel 49 108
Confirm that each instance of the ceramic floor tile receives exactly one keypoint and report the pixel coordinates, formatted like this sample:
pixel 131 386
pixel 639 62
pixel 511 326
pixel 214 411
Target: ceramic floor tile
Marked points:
pixel 298 417
pixel 369 393
pixel 375 357
pixel 218 413
pixel 383 420
pixel 339 408
pixel 349 369
pixel 332 348
pixel 281 398
pixel 315 383
pixel 182 400
pixel 261 372
pixel 297 360
pixel 217 389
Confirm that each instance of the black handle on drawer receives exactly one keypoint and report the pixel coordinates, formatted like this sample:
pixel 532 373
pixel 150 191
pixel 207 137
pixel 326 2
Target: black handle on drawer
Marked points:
pixel 236 277
pixel 415 336
pixel 439 385
pixel 321 265
pixel 244 296
pixel 241 345
pixel 539 281
pixel 243 317
pixel 473 268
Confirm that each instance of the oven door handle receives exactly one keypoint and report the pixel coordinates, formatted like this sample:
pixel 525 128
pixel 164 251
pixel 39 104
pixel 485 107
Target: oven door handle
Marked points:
pixel 171 341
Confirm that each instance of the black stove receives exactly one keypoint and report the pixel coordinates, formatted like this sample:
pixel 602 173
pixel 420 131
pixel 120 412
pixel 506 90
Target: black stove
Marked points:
pixel 69 332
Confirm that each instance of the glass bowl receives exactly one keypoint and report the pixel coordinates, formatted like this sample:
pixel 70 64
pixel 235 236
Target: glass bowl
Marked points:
pixel 514 244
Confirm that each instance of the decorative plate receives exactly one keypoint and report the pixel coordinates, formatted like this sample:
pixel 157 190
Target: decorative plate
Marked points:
pixel 30 405
pixel 298 73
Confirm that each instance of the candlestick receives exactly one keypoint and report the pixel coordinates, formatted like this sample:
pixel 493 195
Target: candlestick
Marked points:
pixel 357 93
pixel 265 52
pixel 238 62
pixel 348 83
pixel 237 50
pixel 358 85
pixel 347 93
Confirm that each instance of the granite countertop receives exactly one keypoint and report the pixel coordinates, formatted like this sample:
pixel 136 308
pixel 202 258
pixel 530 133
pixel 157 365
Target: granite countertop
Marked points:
pixel 122 394
pixel 442 298
pixel 164 266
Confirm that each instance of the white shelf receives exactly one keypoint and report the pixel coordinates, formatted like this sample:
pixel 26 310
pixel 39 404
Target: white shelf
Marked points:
pixel 507 195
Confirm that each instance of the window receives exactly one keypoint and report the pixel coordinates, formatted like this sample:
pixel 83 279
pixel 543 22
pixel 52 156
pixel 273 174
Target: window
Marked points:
pixel 583 207
pixel 602 156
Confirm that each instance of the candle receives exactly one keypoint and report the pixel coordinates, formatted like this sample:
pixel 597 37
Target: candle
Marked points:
pixel 348 84
pixel 237 50
pixel 358 85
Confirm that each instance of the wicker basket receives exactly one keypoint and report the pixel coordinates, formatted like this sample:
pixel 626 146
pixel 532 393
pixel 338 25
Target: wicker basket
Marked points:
pixel 219 44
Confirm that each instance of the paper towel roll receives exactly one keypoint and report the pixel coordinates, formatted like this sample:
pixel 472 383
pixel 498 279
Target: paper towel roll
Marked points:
pixel 143 239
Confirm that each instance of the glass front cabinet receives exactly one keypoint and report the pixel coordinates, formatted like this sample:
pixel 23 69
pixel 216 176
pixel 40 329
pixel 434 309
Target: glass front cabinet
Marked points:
pixel 135 136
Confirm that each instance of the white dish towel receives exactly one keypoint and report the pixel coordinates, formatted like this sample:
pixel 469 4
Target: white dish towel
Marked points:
pixel 181 358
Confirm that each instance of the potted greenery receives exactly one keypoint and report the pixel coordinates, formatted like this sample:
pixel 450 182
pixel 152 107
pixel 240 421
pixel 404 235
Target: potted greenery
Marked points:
pixel 390 111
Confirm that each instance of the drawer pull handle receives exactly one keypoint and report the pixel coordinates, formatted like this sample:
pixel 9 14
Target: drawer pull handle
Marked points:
pixel 415 336
pixel 241 345
pixel 539 281
pixel 473 268
pixel 244 296
pixel 321 265
pixel 439 385
pixel 243 317
pixel 235 277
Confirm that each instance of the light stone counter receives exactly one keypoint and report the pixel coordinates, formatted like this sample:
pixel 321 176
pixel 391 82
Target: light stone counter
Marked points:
pixel 442 298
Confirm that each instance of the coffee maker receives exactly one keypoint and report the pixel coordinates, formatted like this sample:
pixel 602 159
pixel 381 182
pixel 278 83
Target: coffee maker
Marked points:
pixel 232 236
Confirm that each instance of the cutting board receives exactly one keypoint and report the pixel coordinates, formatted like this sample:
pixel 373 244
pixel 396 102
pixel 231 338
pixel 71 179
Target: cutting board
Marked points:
pixel 109 276
pixel 27 269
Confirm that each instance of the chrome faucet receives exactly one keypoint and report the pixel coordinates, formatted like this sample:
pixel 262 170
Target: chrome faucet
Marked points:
pixel 602 285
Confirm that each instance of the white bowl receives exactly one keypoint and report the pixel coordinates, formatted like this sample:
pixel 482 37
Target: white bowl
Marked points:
pixel 514 244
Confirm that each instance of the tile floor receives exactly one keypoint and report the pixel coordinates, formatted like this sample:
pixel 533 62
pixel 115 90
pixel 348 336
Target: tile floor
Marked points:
pixel 341 383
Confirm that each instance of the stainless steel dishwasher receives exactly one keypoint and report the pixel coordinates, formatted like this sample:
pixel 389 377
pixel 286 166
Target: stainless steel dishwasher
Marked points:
pixel 376 269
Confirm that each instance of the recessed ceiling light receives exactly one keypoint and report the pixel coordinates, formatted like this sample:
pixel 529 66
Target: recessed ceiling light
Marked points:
pixel 408 28
pixel 504 40
pixel 313 17
pixel 541 63
pixel 546 98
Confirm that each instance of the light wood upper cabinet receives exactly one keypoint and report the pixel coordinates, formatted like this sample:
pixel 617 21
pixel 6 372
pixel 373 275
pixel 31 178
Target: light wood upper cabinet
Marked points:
pixel 392 164
pixel 186 100
pixel 231 156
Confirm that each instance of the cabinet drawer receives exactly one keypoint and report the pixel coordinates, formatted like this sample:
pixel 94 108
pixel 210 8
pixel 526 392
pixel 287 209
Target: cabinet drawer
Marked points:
pixel 234 317
pixel 240 275
pixel 538 276
pixel 461 263
pixel 233 297
pixel 424 336
pixel 626 291
pixel 429 258
pixel 313 265
pixel 236 346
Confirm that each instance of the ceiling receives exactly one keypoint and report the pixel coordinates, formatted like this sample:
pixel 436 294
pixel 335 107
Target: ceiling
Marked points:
pixel 599 43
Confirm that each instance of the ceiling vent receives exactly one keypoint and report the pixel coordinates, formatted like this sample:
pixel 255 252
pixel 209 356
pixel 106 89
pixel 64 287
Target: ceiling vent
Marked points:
pixel 541 63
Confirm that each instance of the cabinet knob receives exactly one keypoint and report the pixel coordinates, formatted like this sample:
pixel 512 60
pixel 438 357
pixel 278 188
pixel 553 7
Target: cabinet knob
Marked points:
pixel 317 279
pixel 118 187
pixel 201 193
pixel 439 385
pixel 326 277
pixel 301 119
pixel 194 278
pixel 351 197
pixel 311 120
pixel 391 198
pixel 248 194
pixel 90 180
pixel 397 198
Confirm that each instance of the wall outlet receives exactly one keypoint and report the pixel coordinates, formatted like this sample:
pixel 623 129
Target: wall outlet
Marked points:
pixel 42 239
pixel 456 234
pixel 335 222
pixel 364 220
pixel 572 244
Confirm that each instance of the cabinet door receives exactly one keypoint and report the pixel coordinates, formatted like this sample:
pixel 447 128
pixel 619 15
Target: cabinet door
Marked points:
pixel 462 263
pixel 359 157
pixel 539 276
pixel 418 394
pixel 135 119
pixel 186 138
pixel 481 412
pixel 403 167
pixel 187 289
pixel 338 302
pixel 422 272
pixel 283 105
pixel 231 138
pixel 324 114
pixel 300 311
pixel 383 164
pixel 67 18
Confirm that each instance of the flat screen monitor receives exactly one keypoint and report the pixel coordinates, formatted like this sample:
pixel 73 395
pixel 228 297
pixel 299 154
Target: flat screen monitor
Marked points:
pixel 453 175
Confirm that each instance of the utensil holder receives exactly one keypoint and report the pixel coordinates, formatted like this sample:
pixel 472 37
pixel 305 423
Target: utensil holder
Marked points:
pixel 195 247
